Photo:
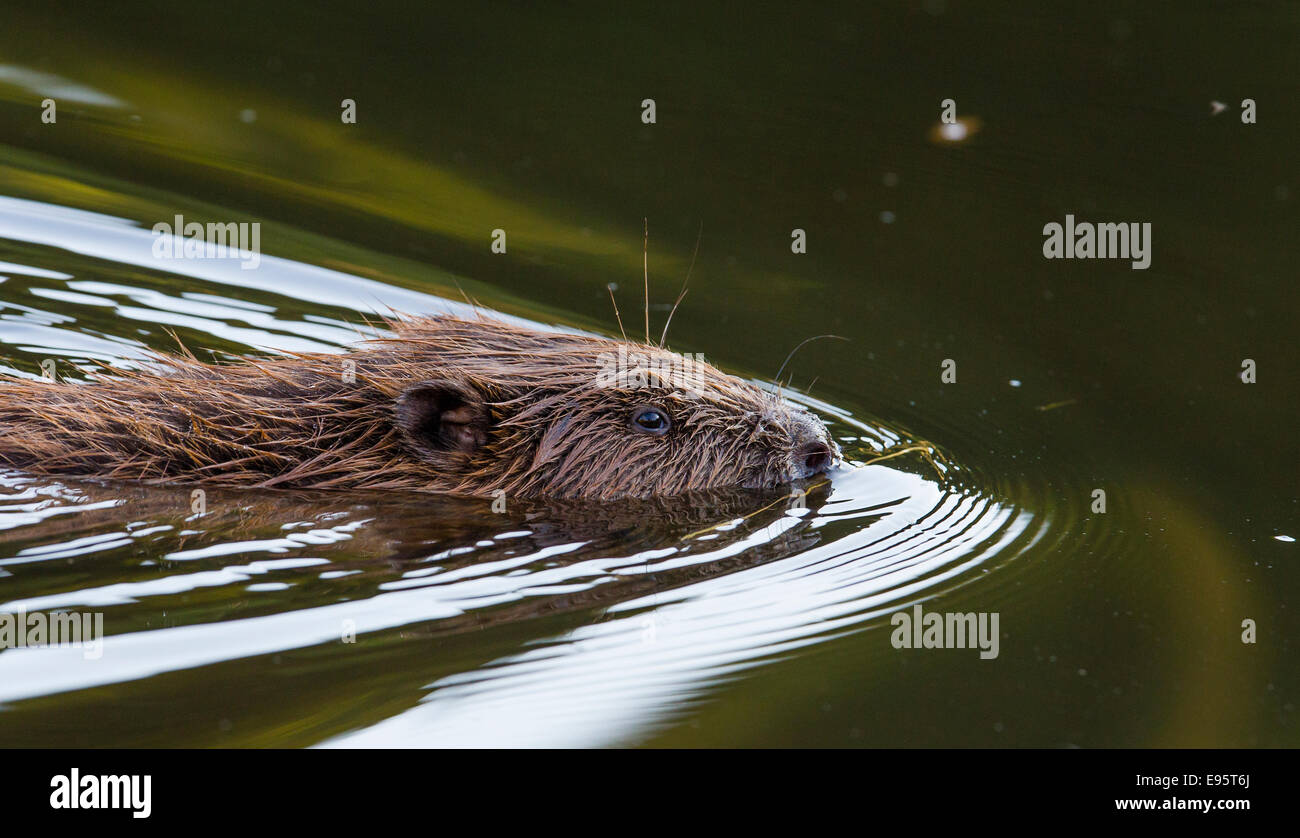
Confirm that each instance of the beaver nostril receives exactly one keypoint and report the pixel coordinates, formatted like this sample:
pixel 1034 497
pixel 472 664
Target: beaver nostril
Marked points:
pixel 816 457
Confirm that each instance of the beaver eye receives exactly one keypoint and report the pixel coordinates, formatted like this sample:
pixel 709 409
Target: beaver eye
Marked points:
pixel 650 420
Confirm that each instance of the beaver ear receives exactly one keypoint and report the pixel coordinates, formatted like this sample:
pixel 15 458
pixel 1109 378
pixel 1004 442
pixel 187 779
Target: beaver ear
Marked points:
pixel 437 417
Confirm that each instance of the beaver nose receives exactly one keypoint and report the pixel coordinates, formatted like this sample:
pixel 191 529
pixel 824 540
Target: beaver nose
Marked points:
pixel 816 457
pixel 811 449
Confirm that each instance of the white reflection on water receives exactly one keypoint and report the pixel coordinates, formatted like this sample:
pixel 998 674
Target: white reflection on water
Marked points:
pixel 48 85
pixel 600 684
pixel 124 242
pixel 615 681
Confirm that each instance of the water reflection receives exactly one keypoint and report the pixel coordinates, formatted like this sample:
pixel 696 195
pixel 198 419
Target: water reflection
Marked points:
pixel 654 655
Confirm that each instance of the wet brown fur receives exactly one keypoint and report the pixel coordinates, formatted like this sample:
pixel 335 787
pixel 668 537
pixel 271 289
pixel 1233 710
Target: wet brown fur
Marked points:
pixel 527 415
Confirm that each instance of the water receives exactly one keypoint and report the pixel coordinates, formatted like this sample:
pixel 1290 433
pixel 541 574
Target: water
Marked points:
pixel 727 619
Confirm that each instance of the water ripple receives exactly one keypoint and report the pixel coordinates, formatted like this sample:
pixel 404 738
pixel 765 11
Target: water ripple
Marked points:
pixel 598 624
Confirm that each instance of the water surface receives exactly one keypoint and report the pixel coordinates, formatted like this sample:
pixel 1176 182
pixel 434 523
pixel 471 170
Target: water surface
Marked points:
pixel 729 619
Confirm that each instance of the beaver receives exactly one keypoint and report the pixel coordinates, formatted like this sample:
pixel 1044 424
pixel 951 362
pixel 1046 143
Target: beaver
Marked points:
pixel 461 406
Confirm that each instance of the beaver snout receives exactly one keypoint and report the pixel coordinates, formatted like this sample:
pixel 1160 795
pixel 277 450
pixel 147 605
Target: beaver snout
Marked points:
pixel 814 452
pixel 816 457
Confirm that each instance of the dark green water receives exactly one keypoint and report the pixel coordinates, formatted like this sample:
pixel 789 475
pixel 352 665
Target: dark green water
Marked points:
pixel 717 622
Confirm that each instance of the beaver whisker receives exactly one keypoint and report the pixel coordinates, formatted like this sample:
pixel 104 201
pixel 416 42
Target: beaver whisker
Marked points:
pixel 610 288
pixel 805 341
pixel 682 295
pixel 645 268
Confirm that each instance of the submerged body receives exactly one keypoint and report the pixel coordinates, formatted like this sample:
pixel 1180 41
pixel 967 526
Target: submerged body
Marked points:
pixel 447 405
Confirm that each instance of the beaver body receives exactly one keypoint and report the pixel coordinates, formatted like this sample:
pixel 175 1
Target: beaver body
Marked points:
pixel 445 404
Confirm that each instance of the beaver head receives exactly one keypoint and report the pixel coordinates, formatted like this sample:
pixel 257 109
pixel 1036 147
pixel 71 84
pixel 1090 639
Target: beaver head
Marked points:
pixel 569 415
pixel 443 405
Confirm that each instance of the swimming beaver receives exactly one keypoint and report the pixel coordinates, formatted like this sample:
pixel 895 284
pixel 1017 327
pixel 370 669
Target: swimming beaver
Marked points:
pixel 444 405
